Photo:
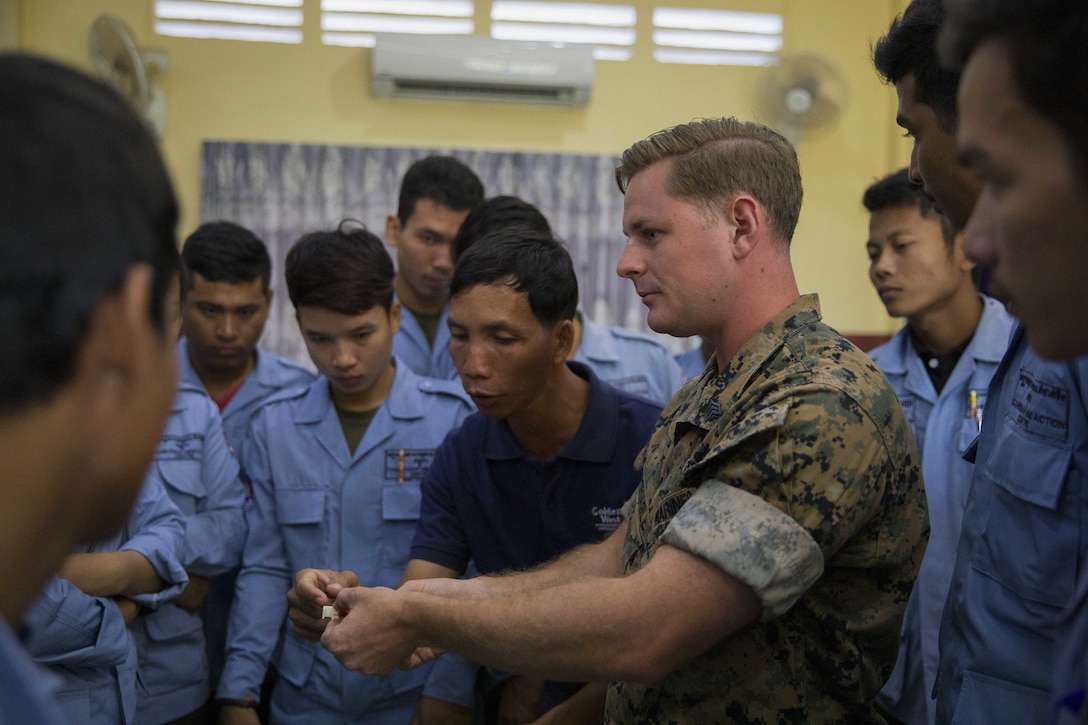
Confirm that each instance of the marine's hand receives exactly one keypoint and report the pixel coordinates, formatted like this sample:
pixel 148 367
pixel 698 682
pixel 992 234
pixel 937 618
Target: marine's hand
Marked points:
pixel 315 588
pixel 372 637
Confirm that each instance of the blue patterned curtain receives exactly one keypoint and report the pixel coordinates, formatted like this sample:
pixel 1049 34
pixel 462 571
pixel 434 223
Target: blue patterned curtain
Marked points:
pixel 282 191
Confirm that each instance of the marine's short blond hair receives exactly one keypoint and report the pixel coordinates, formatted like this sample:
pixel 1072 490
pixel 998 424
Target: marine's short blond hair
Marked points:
pixel 718 158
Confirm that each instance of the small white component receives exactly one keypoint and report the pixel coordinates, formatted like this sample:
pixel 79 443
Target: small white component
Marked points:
pixel 329 612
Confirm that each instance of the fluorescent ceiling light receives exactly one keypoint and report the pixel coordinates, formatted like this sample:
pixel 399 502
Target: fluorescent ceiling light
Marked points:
pixel 709 57
pixel 438 8
pixel 562 33
pixel 187 10
pixel 351 40
pixel 718 41
pixel 392 24
pixel 729 20
pixel 181 29
pixel 557 12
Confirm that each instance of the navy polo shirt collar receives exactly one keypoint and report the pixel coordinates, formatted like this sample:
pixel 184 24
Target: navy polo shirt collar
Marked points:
pixel 592 443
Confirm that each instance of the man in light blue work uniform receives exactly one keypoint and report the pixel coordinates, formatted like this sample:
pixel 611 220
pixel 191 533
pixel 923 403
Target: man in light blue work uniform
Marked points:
pixel 199 473
pixel 628 360
pixel 196 468
pixel 1022 534
pixel 78 625
pixel 1022 108
pixel 88 369
pixel 225 302
pixel 940 365
pixel 436 194
pixel 226 296
pixel 336 470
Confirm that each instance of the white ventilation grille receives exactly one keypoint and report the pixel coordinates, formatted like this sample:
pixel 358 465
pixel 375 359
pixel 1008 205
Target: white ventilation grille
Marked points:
pixel 609 28
pixel 268 21
pixel 716 37
pixel 356 22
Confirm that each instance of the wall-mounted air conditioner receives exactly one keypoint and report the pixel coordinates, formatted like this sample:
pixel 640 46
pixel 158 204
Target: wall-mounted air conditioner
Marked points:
pixel 474 68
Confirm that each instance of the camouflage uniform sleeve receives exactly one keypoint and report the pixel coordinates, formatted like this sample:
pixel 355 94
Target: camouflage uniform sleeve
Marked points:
pixel 783 490
pixel 753 541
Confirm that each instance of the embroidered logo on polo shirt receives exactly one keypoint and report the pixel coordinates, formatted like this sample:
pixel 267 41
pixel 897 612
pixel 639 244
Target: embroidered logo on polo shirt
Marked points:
pixel 608 518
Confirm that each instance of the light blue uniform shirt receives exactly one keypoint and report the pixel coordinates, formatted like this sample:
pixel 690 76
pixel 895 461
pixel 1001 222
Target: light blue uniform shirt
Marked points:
pixel 944 427
pixel 200 474
pixel 317 505
pixel 26 689
pixel 271 375
pixel 1024 539
pixel 1070 693
pixel 691 362
pixel 630 361
pixel 410 345
pixel 84 640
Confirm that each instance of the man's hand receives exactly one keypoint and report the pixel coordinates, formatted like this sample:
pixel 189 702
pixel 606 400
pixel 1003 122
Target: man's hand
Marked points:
pixel 234 715
pixel 314 589
pixel 192 596
pixel 431 711
pixel 372 637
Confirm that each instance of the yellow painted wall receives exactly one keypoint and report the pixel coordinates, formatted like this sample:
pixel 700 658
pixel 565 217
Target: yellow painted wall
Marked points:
pixel 316 94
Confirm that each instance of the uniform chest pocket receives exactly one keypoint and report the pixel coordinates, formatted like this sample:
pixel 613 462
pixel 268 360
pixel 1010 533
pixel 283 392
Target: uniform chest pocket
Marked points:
pixel 401 502
pixel 400 514
pixel 295 506
pixel 1031 541
pixel 183 483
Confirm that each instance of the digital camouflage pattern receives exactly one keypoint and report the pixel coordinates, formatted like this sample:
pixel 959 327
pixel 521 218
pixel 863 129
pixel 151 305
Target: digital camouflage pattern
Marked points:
pixel 802 420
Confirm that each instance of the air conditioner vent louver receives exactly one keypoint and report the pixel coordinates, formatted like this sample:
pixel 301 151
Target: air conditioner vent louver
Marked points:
pixel 469 68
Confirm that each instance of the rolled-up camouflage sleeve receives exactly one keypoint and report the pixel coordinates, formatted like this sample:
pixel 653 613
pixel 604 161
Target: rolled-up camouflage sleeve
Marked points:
pixel 750 539
pixel 783 490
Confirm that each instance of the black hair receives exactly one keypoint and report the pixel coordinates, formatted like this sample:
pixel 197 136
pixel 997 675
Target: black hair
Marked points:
pixel 498 212
pixel 86 197
pixel 223 251
pixel 528 261
pixel 442 179
pixel 896 190
pixel 910 48
pixel 1047 46
pixel 345 270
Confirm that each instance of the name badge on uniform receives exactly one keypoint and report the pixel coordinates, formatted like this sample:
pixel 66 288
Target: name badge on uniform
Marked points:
pixel 1040 408
pixel 407 464
pixel 180 447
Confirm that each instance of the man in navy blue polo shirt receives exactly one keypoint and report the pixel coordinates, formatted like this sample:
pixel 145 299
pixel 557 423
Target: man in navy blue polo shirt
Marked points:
pixel 545 465
pixel 548 461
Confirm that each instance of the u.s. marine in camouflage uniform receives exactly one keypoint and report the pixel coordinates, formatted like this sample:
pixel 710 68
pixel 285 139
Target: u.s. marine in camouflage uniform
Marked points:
pixel 795 471
pixel 769 552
